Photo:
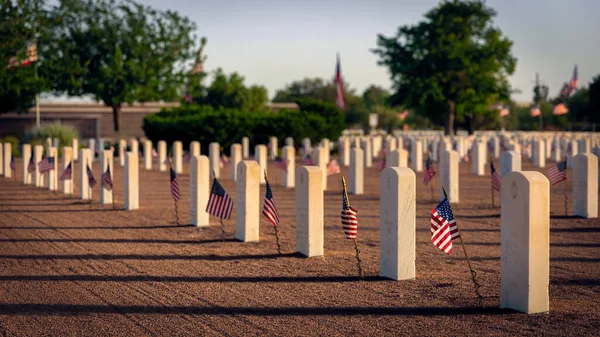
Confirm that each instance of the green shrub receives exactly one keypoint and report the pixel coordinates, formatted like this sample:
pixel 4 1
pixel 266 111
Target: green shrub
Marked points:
pixel 14 143
pixel 64 133
pixel 227 126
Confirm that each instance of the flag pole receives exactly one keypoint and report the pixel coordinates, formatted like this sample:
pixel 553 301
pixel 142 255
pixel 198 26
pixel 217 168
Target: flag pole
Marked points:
pixel 566 199
pixel 356 248
pixel 492 189
pixel 174 201
pixel 275 227
pixel 473 272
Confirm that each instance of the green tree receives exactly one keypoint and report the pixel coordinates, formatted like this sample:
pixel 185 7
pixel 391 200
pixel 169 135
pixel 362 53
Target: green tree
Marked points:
pixel 19 21
pixel 314 89
pixel 455 56
pixel 231 92
pixel 375 96
pixel 118 52
pixel 594 100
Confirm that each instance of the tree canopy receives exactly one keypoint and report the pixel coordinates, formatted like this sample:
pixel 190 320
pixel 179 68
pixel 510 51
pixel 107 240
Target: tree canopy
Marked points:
pixel 18 21
pixel 118 52
pixel 454 57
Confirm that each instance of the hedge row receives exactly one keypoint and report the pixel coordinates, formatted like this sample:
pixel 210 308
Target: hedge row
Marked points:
pixel 226 126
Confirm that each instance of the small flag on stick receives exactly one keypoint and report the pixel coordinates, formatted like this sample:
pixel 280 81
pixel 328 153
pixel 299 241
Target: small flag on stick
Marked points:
pixel 91 179
pixel 350 225
pixel 106 180
pixel 380 164
pixel 67 172
pixel 12 163
pixel 281 163
pixel 271 213
pixel 219 203
pixel 557 173
pixel 31 165
pixel 429 171
pixel 46 164
pixel 175 193
pixel 496 180
pixel 443 227
pixel 333 168
pixel 307 161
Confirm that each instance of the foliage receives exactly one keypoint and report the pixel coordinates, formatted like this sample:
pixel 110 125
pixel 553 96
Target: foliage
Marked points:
pixel 19 85
pixel 454 57
pixel 14 143
pixel 229 92
pixel 64 133
pixel 227 126
pixel 117 52
pixel 594 100
pixel 375 96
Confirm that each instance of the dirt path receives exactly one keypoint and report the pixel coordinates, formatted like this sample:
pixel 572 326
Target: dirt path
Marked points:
pixel 69 267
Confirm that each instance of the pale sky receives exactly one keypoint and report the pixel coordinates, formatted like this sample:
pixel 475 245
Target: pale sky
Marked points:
pixel 275 42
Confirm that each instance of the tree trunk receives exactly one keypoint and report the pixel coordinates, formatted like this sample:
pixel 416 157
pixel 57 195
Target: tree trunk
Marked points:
pixel 449 124
pixel 117 117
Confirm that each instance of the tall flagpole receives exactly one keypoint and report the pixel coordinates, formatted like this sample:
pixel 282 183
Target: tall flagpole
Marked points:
pixel 37 85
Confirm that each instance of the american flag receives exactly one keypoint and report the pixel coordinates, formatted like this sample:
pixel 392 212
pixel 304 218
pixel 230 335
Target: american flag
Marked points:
pixel 535 111
pixel 557 173
pixel 380 164
pixel 496 180
pixel 307 161
pixel 219 203
pixel 46 164
pixel 31 165
pixel 504 112
pixel 443 227
pixel 269 209
pixel 223 161
pixel 106 180
pixel 468 156
pixel 573 82
pixel 90 174
pixel 333 167
pixel 154 153
pixel 12 163
pixel 67 172
pixel 560 109
pixel 429 171
pixel 31 56
pixel 281 163
pixel 186 157
pixel 338 84
pixel 349 219
pixel 175 193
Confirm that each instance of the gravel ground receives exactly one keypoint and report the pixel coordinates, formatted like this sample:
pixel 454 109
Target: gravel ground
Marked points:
pixel 68 267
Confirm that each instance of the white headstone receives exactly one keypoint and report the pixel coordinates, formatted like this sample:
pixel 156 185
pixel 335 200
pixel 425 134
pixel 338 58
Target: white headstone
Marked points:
pixel 38 177
pixel 585 185
pixel 345 151
pixel 556 153
pixel 319 159
pixel 245 147
pixel 584 145
pixel 106 160
pixel 247 201
pixel 309 211
pixel 449 176
pixel 397 218
pixel 162 156
pixel 539 153
pixel 236 157
pixel 289 141
pixel 67 158
pixel 365 144
pixel 289 176
pixel 326 148
pixel 132 188
pixel 356 181
pixel 525 242
pixel 509 161
pixel 214 157
pixel 75 149
pixel 27 177
pixel 122 151
pixel 52 183
pixel 178 156
pixel 572 153
pixel 416 155
pixel 478 158
pixel 7 155
pixel 148 155
pixel 92 146
pixel 134 146
pixel 260 155
pixel 85 160
pixel 199 190
pixel 273 147
pixel 194 148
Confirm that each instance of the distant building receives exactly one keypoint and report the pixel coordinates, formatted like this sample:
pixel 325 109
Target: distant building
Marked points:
pixel 94 120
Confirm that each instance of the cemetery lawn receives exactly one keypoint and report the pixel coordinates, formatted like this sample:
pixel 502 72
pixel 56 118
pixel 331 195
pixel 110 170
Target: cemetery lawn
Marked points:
pixel 72 268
